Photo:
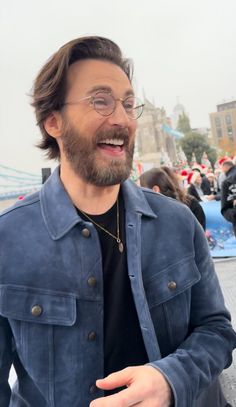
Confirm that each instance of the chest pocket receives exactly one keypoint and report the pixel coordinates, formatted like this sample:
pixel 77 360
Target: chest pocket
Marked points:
pixel 168 294
pixel 40 319
pixel 172 281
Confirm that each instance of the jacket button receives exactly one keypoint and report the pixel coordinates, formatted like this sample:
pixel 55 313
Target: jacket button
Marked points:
pixel 92 281
pixel 93 389
pixel 36 310
pixel 86 232
pixel 92 336
pixel 172 285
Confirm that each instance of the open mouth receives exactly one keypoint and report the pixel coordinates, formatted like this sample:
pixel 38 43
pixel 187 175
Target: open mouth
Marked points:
pixel 112 145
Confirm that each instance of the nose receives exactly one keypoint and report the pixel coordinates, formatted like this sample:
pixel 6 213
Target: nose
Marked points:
pixel 119 117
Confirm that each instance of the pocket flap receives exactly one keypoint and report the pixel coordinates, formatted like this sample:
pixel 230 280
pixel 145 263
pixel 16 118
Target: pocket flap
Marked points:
pixel 171 281
pixel 35 305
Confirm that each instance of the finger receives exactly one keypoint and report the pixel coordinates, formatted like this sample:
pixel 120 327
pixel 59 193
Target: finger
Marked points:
pixel 125 398
pixel 117 379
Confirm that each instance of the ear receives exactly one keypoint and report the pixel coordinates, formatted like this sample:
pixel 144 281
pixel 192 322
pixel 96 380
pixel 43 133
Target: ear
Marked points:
pixel 156 188
pixel 53 124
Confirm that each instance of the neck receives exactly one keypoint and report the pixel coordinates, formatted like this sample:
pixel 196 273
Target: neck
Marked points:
pixel 87 197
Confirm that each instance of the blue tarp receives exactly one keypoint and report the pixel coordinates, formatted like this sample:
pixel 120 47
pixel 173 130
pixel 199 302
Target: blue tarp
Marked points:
pixel 174 133
pixel 219 232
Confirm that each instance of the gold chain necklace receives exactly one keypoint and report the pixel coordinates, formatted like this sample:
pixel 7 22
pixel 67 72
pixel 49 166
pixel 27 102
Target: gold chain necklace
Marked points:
pixel 117 238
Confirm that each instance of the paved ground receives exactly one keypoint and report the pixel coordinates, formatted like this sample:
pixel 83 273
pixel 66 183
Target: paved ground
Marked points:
pixel 226 270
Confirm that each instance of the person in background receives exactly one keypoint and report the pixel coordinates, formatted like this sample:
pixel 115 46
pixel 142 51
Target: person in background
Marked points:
pixel 214 188
pixel 183 179
pixel 228 168
pixel 218 175
pixel 228 193
pixel 223 170
pixel 165 181
pixel 205 185
pixel 194 188
pixel 107 299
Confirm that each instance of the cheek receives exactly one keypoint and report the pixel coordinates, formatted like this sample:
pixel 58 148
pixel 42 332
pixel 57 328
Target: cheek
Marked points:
pixel 133 128
pixel 87 123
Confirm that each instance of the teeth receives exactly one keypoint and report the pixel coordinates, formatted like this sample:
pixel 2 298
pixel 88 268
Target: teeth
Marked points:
pixel 115 142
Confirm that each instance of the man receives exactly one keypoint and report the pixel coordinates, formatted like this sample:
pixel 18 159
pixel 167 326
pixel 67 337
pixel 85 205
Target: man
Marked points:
pixel 205 184
pixel 98 278
pixel 228 193
pixel 195 187
pixel 221 175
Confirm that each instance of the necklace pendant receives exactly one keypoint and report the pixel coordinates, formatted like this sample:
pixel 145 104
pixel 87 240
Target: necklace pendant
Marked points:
pixel 121 247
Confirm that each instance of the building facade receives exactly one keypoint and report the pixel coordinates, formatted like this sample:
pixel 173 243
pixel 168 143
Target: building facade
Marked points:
pixel 223 123
pixel 178 111
pixel 152 142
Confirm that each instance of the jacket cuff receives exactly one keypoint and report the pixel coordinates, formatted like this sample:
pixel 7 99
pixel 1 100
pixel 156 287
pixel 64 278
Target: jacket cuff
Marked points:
pixel 178 381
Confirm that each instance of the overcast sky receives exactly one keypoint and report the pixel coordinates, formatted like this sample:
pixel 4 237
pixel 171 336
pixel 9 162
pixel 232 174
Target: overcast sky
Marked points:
pixel 182 49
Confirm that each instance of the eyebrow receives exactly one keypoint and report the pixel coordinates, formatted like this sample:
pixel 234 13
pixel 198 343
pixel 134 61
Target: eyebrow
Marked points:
pixel 108 89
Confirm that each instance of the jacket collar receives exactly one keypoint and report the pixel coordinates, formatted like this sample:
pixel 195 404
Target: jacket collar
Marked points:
pixel 135 199
pixel 60 215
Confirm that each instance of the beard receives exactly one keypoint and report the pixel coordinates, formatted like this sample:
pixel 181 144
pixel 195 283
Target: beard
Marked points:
pixel 81 152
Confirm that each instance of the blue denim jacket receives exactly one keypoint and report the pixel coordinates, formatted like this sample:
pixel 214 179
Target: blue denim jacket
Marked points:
pixel 51 298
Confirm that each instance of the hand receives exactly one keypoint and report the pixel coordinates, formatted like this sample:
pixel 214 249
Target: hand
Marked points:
pixel 146 387
pixel 210 197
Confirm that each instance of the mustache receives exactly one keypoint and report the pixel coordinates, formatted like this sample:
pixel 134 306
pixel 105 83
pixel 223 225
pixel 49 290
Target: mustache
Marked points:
pixel 120 134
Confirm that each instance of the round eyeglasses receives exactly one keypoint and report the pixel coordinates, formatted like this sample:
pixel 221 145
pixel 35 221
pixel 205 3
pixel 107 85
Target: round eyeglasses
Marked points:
pixel 105 104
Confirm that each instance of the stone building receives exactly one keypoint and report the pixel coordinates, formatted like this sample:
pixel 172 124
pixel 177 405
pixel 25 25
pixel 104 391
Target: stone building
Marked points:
pixel 223 123
pixel 153 143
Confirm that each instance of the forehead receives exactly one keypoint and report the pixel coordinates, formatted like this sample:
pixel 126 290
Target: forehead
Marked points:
pixel 86 75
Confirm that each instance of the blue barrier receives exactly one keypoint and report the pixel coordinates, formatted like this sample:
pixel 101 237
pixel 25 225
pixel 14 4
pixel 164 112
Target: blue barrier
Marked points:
pixel 219 232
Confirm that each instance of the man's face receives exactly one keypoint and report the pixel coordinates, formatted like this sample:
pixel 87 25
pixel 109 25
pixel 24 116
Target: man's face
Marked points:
pixel 198 179
pixel 99 149
pixel 211 179
pixel 225 168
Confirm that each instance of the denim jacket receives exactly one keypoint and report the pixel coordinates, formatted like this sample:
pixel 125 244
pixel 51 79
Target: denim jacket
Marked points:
pixel 51 298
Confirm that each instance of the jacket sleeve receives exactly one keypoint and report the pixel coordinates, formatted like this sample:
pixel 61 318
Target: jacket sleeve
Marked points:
pixel 207 350
pixel 206 186
pixel 5 361
pixel 227 209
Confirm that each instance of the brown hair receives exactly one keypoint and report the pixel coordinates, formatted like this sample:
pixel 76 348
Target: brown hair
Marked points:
pixel 182 196
pixel 228 163
pixel 50 85
pixel 157 176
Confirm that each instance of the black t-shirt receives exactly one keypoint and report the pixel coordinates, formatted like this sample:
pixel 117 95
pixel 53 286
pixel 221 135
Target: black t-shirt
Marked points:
pixel 123 342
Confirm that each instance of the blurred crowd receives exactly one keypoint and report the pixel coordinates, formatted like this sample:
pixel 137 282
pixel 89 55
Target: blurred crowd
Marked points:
pixel 195 184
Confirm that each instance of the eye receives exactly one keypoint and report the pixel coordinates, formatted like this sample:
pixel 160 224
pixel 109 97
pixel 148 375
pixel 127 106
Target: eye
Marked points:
pixel 102 101
pixel 129 104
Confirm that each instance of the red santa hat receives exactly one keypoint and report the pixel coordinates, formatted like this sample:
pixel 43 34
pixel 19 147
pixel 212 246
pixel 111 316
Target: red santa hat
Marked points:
pixel 222 160
pixel 193 177
pixel 184 173
pixel 189 177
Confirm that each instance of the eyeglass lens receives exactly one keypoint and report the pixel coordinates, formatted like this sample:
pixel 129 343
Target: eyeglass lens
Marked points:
pixel 105 104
